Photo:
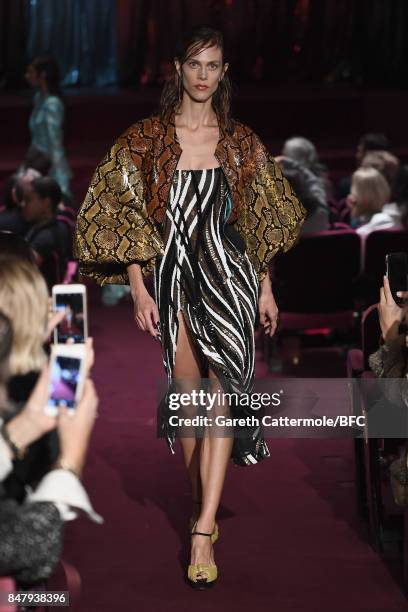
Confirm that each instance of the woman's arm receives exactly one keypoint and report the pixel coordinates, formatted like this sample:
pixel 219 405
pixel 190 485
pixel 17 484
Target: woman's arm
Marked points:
pixel 136 282
pixel 268 310
pixel 29 425
pixel 62 485
pixel 390 360
pixel 271 221
pixel 146 313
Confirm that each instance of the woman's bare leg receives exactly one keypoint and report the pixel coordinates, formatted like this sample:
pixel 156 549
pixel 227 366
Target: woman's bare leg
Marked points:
pixel 206 458
pixel 187 370
pixel 215 455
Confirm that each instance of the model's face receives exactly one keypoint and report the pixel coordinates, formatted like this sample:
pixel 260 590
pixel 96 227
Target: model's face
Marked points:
pixel 202 73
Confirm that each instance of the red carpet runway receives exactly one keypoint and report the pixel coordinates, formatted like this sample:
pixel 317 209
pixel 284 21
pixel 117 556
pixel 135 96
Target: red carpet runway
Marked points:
pixel 290 540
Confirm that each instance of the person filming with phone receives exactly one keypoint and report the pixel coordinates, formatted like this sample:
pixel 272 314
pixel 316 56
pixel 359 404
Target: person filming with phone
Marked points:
pixel 31 529
pixel 391 359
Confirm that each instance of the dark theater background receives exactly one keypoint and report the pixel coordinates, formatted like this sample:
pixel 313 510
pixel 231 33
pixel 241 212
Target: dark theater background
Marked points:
pixel 330 71
pixel 318 524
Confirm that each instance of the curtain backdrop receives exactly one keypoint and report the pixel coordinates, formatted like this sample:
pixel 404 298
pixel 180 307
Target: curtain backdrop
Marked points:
pixel 317 41
pixel 131 42
pixel 81 34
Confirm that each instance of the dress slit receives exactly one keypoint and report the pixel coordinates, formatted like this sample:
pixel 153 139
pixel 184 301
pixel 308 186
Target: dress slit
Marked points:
pixel 205 275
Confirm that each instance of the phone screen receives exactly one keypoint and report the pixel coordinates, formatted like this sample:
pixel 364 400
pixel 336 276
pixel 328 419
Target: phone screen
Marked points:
pixel 397 272
pixel 72 327
pixel 65 372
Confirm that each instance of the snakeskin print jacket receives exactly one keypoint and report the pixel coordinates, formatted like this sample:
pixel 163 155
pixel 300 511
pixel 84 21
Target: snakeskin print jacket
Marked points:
pixel 119 220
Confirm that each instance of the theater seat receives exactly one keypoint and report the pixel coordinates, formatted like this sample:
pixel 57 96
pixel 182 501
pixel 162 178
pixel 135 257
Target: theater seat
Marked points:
pixel 314 282
pixel 377 245
pixel 366 450
pixel 373 454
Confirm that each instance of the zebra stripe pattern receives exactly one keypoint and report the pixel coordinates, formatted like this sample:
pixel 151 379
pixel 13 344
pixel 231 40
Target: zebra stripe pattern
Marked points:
pixel 206 273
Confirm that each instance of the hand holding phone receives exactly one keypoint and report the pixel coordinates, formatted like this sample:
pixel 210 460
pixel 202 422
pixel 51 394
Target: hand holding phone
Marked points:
pixel 389 313
pixel 74 429
pixel 397 274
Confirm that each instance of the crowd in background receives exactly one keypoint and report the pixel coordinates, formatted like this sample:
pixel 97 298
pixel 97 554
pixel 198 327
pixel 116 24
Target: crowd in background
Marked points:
pixel 38 202
pixel 41 457
pixel 36 227
pixel 129 42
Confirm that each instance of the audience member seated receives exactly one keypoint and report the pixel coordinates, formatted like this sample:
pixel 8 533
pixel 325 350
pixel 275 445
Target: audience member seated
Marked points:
pixel 31 533
pixel 48 237
pixel 368 142
pixel 38 160
pixel 391 361
pixel 12 245
pixel 304 152
pixel 386 163
pixel 369 201
pixel 11 218
pixel 372 141
pixel 310 190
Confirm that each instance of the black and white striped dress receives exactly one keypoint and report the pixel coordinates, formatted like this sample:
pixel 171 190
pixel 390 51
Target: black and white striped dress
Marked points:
pixel 206 273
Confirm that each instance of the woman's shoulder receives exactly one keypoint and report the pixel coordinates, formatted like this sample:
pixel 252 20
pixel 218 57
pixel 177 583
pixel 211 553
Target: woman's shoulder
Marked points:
pixel 140 135
pixel 240 130
pixel 247 139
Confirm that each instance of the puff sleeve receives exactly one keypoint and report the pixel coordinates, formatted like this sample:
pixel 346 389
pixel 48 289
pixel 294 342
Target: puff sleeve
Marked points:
pixel 113 229
pixel 272 216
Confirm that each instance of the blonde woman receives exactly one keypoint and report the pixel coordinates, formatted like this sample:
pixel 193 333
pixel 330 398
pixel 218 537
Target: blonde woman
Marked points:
pixel 31 533
pixel 369 201
pixel 24 299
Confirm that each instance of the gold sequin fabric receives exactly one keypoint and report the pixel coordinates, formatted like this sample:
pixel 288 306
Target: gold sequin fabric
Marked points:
pixel 120 220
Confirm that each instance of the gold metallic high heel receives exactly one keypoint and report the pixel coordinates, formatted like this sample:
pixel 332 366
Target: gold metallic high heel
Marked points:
pixel 210 571
pixel 215 532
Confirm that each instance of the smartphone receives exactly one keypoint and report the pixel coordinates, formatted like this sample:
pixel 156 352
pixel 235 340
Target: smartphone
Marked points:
pixel 67 374
pixel 397 273
pixel 71 299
